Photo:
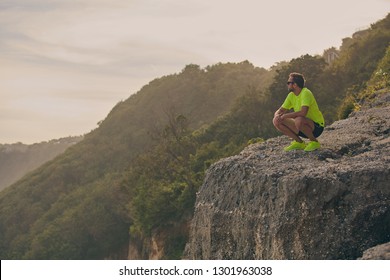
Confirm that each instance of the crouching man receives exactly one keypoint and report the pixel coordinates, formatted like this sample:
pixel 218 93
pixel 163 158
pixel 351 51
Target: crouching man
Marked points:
pixel 306 121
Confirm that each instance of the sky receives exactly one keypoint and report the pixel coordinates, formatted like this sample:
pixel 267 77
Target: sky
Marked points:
pixel 64 64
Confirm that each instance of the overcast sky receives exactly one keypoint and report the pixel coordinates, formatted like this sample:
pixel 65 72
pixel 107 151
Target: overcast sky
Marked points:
pixel 64 64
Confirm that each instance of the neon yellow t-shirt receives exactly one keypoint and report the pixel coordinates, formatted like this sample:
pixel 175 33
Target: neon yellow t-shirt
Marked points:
pixel 305 98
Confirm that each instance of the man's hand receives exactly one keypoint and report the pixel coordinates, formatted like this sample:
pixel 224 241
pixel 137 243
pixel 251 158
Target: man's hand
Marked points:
pixel 278 118
pixel 279 115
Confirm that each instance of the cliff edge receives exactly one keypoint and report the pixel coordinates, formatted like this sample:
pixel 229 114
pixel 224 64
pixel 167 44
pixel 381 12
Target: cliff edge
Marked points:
pixel 333 203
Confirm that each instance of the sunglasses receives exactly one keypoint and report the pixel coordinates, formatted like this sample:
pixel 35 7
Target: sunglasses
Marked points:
pixel 290 83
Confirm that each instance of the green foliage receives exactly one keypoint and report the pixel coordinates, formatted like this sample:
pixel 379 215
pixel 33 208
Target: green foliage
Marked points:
pixel 349 104
pixel 255 140
pixel 357 67
pixel 379 80
pixel 161 194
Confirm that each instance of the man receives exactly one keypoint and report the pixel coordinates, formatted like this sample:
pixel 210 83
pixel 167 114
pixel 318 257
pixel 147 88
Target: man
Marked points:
pixel 306 121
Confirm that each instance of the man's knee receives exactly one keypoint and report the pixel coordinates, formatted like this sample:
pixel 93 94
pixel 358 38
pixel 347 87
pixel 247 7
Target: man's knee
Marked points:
pixel 277 122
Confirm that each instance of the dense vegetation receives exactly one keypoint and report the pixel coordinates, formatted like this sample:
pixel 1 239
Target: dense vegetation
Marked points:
pixel 140 170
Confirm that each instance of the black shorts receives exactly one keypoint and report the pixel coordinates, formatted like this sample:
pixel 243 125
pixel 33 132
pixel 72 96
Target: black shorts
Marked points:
pixel 318 129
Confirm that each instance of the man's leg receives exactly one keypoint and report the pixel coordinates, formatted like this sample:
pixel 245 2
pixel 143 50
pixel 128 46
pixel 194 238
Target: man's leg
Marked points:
pixel 306 126
pixel 288 128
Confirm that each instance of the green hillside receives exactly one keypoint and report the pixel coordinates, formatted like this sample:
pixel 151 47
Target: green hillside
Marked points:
pixel 139 171
pixel 69 207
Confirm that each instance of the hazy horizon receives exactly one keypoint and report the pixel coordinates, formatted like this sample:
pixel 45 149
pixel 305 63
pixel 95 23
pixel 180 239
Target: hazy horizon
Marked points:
pixel 64 65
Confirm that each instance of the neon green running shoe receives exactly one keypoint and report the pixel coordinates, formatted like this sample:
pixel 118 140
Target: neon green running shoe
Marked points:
pixel 312 145
pixel 295 146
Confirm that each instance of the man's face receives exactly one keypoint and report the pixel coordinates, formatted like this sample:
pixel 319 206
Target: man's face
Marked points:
pixel 290 84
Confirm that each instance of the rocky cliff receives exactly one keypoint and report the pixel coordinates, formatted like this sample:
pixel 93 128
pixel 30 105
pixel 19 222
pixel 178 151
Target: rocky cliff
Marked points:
pixel 333 203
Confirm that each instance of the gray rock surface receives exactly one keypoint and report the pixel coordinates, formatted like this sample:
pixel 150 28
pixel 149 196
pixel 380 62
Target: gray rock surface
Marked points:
pixel 333 203
pixel 379 252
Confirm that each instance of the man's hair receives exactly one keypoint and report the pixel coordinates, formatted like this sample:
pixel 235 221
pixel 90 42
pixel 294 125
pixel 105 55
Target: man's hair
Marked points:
pixel 298 79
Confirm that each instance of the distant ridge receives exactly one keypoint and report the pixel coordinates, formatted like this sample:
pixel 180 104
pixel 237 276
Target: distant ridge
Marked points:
pixel 17 159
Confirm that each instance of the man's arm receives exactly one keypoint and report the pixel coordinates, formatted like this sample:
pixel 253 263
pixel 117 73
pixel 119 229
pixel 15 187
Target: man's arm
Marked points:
pixel 293 115
pixel 281 111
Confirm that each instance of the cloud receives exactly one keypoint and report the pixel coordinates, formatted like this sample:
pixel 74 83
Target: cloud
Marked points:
pixel 100 36
pixel 81 57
